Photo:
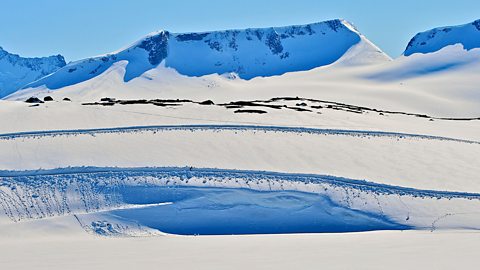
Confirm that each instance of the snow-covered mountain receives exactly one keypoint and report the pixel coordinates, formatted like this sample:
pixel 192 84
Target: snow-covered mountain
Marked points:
pixel 16 71
pixel 249 53
pixel 433 40
pixel 138 143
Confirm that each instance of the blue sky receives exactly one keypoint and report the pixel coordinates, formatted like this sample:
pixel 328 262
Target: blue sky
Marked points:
pixel 79 29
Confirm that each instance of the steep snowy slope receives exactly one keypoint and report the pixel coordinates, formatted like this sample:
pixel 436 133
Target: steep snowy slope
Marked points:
pixel 249 53
pixel 442 84
pixel 16 71
pixel 433 40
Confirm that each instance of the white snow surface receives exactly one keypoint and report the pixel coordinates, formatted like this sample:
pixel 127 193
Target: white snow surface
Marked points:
pixel 361 143
pixel 56 244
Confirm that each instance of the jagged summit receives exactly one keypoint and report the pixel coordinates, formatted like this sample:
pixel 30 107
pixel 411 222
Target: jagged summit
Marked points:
pixel 16 71
pixel 433 40
pixel 249 53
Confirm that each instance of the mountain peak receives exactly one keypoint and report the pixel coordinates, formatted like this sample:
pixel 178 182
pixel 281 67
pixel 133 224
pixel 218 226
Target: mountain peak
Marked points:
pixel 252 52
pixel 435 39
pixel 17 71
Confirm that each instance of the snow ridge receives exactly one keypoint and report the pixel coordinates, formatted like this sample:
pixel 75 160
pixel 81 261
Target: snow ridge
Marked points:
pixel 135 129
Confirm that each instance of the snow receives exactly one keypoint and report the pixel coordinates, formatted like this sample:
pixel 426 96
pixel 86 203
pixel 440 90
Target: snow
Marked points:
pixel 349 141
pixel 373 250
pixel 141 196
pixel 391 159
pixel 16 71
pixel 249 53
pixel 468 35
pixel 443 83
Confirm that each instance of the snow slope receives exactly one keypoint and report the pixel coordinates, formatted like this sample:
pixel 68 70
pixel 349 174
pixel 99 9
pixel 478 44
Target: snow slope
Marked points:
pixel 249 53
pixel 468 35
pixel 16 71
pixel 443 83
pixel 418 161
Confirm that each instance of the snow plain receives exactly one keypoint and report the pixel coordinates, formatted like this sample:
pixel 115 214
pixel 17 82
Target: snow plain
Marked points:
pixel 72 249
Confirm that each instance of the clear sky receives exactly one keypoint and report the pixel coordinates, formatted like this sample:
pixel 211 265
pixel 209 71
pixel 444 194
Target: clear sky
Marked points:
pixel 83 28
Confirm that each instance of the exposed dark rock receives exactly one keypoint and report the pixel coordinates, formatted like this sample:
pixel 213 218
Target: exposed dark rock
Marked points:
pixel 256 32
pixel 99 103
pixel 299 109
pixel 309 30
pixel 66 99
pixel 48 98
pixel 335 25
pixel 172 100
pixel 33 100
pixel 138 101
pixel 161 104
pixel 236 104
pixel 274 42
pixel 285 55
pixel 250 111
pixel 156 46
pixel 214 45
pixel 191 37
pixel 207 102
pixel 477 24
pixel 242 106
pixel 107 99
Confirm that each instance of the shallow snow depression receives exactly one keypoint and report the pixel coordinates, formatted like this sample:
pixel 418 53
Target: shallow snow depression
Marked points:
pixel 189 198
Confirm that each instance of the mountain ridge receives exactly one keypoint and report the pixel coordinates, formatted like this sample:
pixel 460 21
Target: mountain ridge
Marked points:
pixel 17 71
pixel 252 52
pixel 437 38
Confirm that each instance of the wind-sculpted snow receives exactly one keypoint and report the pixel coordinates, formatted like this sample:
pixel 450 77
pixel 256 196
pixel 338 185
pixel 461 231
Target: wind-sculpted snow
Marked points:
pixel 136 129
pixel 202 198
